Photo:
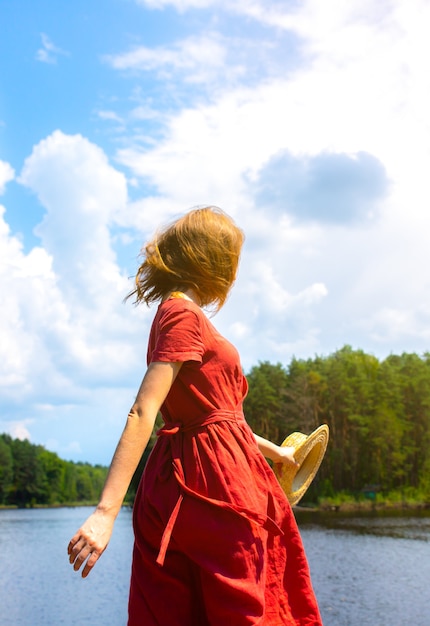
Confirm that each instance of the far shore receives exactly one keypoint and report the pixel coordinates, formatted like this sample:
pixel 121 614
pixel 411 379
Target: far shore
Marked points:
pixel 364 508
pixel 304 509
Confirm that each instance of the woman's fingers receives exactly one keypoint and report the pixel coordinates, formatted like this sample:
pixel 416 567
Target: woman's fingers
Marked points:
pixel 92 560
pixel 73 541
pixel 79 550
pixel 286 458
pixel 89 543
pixel 86 553
pixel 74 547
pixel 289 456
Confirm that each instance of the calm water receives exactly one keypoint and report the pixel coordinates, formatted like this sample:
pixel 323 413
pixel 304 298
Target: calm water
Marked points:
pixel 366 571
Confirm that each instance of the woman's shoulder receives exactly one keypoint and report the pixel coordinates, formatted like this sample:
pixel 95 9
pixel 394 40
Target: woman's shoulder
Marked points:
pixel 179 310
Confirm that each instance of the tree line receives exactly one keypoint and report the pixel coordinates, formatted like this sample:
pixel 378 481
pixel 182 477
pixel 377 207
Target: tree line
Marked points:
pixel 378 413
pixel 31 475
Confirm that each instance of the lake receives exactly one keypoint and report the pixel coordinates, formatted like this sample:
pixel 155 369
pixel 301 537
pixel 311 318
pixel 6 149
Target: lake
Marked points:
pixel 366 570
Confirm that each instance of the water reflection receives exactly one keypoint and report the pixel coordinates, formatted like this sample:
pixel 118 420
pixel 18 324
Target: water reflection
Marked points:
pixel 369 570
pixel 396 524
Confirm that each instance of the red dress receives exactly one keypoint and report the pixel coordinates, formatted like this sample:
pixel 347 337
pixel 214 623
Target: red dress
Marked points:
pixel 216 542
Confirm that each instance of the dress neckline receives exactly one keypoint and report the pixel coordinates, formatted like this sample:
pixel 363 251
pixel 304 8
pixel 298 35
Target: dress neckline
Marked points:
pixel 179 294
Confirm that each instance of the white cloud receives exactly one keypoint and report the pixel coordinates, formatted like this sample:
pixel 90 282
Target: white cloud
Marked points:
pixel 83 196
pixel 186 54
pixel 19 430
pixel 179 5
pixel 62 314
pixel 268 12
pixel 277 299
pixel 65 335
pixel 110 116
pixel 333 188
pixel 6 174
pixel 394 324
pixel 145 112
pixel 21 280
pixel 363 84
pixel 197 58
pixel 49 52
pixel 72 449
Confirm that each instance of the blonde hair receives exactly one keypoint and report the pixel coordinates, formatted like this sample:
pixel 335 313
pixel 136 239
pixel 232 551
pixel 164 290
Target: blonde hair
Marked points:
pixel 199 251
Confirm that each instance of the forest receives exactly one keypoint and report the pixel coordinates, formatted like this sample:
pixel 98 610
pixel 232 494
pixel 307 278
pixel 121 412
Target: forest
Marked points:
pixel 378 412
pixel 30 475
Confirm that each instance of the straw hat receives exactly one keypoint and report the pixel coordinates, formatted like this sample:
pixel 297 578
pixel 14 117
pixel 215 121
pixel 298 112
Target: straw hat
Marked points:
pixel 309 452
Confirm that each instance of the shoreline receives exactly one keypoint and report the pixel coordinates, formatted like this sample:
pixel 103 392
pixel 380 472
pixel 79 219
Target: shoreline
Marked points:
pixel 301 509
pixel 363 508
pixel 63 505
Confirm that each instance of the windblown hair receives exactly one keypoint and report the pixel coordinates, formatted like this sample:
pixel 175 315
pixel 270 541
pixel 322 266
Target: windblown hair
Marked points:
pixel 199 251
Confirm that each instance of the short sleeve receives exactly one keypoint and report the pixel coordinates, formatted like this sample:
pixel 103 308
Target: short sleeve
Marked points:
pixel 178 334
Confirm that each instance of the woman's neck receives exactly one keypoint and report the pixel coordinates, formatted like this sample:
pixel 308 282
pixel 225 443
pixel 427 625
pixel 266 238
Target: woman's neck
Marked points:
pixel 187 294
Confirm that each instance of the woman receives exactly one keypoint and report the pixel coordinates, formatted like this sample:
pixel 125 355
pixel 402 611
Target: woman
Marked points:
pixel 216 542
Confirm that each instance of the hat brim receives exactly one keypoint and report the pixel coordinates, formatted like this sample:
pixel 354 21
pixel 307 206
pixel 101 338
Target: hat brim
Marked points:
pixel 309 453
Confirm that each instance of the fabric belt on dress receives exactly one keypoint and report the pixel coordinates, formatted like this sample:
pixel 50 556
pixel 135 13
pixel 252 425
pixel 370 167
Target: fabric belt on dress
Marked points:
pixel 172 430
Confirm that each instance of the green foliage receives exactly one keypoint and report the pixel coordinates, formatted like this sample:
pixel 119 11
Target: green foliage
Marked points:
pixel 378 413
pixel 31 475
pixel 6 469
pixel 265 403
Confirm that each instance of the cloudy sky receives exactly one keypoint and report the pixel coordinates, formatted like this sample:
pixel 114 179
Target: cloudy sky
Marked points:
pixel 307 121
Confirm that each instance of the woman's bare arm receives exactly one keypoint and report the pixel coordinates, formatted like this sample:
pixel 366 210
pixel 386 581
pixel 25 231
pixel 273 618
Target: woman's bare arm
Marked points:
pixel 93 537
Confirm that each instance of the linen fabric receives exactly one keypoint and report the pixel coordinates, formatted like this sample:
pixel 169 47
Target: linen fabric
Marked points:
pixel 216 542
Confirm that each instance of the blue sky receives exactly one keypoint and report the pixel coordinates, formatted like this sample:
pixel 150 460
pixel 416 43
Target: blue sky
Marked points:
pixel 306 121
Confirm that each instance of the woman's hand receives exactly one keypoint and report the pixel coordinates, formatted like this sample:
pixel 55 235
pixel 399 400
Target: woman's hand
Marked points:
pixel 286 456
pixel 283 455
pixel 91 540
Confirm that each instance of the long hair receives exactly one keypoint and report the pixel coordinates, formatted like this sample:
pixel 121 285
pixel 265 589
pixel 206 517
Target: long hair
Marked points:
pixel 199 251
